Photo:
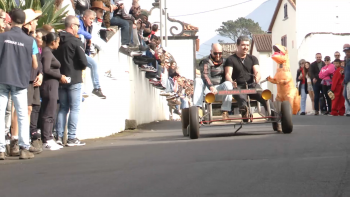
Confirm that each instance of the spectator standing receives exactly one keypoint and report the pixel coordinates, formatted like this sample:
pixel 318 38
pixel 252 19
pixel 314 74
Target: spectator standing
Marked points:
pixel 326 75
pixel 71 55
pixel 85 30
pixel 35 79
pixel 336 56
pixel 338 107
pixel 49 90
pixel 315 69
pixel 17 57
pixel 310 90
pixel 303 86
pixel 346 82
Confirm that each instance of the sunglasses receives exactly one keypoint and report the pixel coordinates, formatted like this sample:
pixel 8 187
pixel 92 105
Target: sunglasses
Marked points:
pixel 217 53
pixel 327 60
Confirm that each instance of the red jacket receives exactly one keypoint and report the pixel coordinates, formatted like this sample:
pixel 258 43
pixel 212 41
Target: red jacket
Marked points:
pixel 338 78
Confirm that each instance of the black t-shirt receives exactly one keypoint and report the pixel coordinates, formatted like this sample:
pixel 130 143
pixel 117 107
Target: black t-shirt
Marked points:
pixel 242 68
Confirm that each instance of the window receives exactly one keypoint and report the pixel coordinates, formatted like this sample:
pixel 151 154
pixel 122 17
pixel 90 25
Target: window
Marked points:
pixel 285 11
pixel 284 40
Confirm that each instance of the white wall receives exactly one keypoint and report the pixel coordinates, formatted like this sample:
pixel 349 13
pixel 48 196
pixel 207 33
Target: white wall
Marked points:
pixel 266 67
pixel 322 16
pixel 183 52
pixel 286 27
pixel 129 96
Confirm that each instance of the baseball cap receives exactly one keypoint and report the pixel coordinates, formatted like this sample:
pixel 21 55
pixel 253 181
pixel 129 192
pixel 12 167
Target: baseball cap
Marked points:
pixel 346 47
pixel 18 16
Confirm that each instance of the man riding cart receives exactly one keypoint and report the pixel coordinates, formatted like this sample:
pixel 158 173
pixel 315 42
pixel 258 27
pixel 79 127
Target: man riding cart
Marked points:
pixel 238 76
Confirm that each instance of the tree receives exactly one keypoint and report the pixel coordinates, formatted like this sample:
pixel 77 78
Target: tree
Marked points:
pixel 240 27
pixel 50 14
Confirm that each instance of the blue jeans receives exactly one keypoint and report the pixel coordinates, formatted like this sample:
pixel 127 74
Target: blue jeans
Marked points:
pixel 184 103
pixel 303 98
pixel 20 100
pixel 317 89
pixel 124 26
pixel 200 90
pixel 70 100
pixel 92 64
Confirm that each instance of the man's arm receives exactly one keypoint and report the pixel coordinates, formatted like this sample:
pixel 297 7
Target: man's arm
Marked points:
pixel 256 69
pixel 80 53
pixel 34 62
pixel 81 31
pixel 206 76
pixel 228 72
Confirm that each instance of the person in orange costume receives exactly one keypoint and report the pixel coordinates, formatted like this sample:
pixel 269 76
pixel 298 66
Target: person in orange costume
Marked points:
pixel 286 90
pixel 338 103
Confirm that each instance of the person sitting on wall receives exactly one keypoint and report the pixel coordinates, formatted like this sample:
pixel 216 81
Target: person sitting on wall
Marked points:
pixel 213 80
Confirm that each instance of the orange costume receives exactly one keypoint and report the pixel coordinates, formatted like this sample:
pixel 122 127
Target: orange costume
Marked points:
pixel 286 90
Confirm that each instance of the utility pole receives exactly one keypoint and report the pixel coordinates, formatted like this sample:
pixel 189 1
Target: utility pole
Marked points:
pixel 166 24
pixel 161 21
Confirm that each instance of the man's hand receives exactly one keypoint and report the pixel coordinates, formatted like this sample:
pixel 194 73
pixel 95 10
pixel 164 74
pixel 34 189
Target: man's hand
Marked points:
pixel 300 77
pixel 134 26
pixel 234 84
pixel 113 8
pixel 38 80
pixel 213 90
pixel 314 80
pixel 257 77
pixel 63 79
pixel 111 29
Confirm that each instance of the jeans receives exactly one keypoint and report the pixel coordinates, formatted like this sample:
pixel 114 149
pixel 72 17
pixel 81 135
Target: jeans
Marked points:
pixel 124 26
pixel 303 98
pixel 19 98
pixel 325 89
pixel 184 103
pixel 347 101
pixel 170 85
pixel 70 100
pixel 92 64
pixel 8 114
pixel 200 90
pixel 317 89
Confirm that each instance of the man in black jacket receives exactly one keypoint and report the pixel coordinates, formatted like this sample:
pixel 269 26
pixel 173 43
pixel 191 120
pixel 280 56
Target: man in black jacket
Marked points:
pixel 315 69
pixel 71 55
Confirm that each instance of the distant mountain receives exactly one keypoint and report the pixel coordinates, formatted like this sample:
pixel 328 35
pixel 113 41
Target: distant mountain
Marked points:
pixel 263 15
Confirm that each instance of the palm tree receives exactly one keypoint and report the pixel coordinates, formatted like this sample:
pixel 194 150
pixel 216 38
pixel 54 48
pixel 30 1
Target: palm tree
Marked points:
pixel 50 15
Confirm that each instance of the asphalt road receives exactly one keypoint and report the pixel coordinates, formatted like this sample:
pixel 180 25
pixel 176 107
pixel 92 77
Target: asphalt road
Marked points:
pixel 157 161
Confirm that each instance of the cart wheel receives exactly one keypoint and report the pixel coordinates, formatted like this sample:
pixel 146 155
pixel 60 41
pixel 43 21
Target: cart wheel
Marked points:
pixel 286 117
pixel 194 122
pixel 185 120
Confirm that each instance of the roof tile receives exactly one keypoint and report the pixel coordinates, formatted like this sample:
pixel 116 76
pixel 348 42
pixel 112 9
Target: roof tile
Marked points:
pixel 263 42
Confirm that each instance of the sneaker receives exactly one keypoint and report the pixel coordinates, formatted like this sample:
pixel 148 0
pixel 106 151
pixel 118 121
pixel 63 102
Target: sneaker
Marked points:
pixel 317 113
pixel 2 156
pixel 59 141
pixel 51 145
pixel 35 150
pixel 75 142
pixel 302 113
pixel 25 154
pixel 14 148
pixel 177 112
pixel 85 95
pixel 143 48
pixel 165 94
pixel 98 92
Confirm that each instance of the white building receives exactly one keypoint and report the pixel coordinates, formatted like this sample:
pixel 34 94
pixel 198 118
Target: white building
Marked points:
pixel 283 30
pixel 261 48
pixel 323 26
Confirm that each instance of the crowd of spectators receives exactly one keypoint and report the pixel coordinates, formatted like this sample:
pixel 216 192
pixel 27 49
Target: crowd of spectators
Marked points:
pixel 327 83
pixel 42 70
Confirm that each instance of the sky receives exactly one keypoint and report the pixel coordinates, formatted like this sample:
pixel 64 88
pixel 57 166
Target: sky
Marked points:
pixel 206 22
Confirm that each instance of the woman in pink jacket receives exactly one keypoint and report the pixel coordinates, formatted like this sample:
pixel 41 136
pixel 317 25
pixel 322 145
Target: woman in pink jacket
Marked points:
pixel 326 75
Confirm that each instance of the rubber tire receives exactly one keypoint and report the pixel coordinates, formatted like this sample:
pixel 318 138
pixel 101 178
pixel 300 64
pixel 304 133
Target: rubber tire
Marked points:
pixel 185 121
pixel 286 117
pixel 194 122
